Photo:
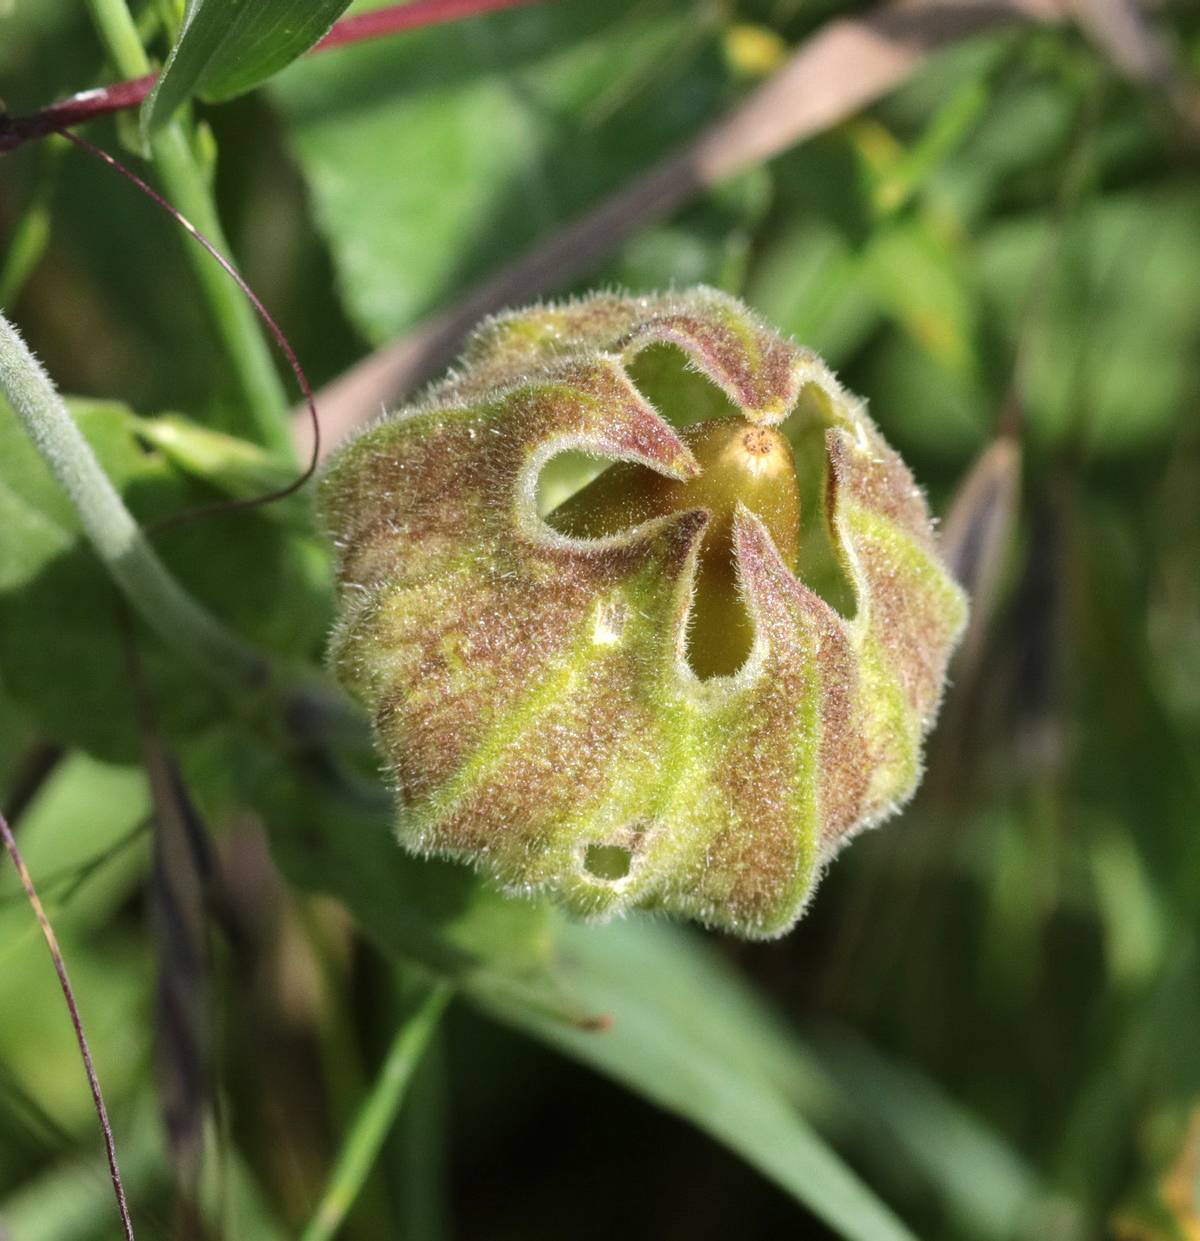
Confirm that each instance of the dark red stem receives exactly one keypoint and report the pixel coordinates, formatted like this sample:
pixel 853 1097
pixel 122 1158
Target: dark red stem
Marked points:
pixel 60 968
pixel 90 105
pixel 399 17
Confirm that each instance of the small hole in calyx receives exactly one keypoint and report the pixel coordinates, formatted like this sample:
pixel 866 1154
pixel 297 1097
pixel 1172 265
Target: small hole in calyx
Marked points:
pixel 609 863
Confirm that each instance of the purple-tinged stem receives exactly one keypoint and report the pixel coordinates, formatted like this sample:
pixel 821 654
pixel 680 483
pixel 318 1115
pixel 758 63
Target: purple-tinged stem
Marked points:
pixel 60 968
pixel 90 105
pixel 398 17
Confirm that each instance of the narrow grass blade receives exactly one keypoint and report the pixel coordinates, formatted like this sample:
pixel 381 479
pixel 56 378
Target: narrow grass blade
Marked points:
pixel 683 1039
pixel 371 1127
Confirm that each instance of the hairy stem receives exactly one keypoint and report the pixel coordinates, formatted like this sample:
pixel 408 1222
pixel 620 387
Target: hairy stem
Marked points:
pixel 261 388
pixel 154 594
pixel 378 1112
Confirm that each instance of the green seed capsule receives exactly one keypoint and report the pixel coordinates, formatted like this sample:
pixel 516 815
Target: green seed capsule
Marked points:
pixel 637 702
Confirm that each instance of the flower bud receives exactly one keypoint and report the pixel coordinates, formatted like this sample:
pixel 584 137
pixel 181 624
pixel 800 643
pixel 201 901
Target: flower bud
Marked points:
pixel 637 702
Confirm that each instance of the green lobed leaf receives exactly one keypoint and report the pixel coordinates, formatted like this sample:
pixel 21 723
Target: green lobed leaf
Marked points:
pixel 62 644
pixel 227 47
pixel 436 157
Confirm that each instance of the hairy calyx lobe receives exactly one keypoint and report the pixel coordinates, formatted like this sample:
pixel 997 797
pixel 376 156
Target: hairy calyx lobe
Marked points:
pixel 740 463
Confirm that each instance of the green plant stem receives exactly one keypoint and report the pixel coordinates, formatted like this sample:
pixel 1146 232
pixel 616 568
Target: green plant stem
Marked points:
pixel 263 391
pixel 32 233
pixel 376 1116
pixel 154 594
pixel 29 241
pixel 186 187
pixel 420 1152
pixel 119 33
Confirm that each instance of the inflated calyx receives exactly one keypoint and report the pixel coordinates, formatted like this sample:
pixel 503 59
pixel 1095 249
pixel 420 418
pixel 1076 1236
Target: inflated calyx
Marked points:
pixel 636 701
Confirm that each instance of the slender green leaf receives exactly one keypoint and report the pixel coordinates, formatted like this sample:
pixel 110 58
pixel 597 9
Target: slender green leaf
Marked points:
pixel 227 47
pixel 686 1037
pixel 377 1115
pixel 989 1189
pixel 83 810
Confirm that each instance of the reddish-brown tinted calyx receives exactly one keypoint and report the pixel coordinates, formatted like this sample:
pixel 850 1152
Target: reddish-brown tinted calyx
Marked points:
pixel 526 684
pixel 740 463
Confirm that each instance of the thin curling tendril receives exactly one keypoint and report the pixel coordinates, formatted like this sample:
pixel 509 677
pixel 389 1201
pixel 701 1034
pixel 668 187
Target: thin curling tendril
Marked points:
pixel 220 509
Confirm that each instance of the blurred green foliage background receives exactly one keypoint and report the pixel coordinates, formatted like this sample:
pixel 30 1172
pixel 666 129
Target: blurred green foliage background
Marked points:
pixel 986 1026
